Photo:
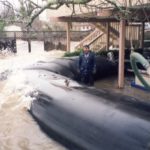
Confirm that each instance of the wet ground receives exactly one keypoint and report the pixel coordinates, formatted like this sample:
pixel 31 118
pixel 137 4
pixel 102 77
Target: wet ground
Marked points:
pixel 111 84
pixel 18 130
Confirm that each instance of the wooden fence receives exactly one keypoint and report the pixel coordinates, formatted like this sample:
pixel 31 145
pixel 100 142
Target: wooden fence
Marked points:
pixel 51 39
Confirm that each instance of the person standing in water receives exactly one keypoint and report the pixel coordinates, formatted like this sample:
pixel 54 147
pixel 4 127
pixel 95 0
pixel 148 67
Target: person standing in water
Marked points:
pixel 87 66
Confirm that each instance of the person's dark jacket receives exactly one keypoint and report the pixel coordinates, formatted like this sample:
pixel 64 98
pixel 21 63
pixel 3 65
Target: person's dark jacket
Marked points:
pixel 87 63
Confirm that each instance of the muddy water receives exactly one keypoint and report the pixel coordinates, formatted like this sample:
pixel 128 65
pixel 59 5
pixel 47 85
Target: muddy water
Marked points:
pixel 18 130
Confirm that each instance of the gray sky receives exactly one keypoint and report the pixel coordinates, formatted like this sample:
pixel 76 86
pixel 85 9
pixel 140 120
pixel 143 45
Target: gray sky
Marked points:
pixel 14 2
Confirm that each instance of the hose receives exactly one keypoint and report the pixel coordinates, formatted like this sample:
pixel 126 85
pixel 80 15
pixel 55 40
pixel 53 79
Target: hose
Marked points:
pixel 134 58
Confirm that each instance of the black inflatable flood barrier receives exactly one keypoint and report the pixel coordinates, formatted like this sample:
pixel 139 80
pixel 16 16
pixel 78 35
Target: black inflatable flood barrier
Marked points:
pixel 87 118
pixel 68 67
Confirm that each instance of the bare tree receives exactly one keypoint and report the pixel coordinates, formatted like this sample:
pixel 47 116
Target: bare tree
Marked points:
pixel 29 10
pixel 7 10
pixel 124 8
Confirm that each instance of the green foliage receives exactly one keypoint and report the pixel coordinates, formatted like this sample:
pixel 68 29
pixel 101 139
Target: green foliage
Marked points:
pixel 75 53
pixel 22 11
pixel 98 53
pixel 25 9
pixel 2 25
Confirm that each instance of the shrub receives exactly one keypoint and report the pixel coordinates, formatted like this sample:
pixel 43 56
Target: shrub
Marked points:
pixel 98 53
pixel 101 53
pixel 75 53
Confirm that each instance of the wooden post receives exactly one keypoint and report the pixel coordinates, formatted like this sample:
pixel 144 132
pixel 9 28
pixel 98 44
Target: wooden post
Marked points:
pixel 139 39
pixel 107 36
pixel 142 35
pixel 29 40
pixel 68 36
pixel 15 43
pixel 29 45
pixel 44 40
pixel 121 54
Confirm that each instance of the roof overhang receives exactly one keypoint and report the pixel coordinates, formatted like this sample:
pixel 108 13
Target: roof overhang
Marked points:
pixel 134 14
pixel 84 19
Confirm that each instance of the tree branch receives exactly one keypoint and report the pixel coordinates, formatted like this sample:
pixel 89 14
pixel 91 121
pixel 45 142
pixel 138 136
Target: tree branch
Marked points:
pixel 55 4
pixel 39 12
pixel 36 5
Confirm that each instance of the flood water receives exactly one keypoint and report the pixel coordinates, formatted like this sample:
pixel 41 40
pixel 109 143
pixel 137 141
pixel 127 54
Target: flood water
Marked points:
pixel 18 130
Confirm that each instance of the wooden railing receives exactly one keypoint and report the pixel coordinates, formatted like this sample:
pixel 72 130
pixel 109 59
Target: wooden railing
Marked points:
pixel 97 39
pixel 132 33
pixel 90 38
pixel 114 34
pixel 99 44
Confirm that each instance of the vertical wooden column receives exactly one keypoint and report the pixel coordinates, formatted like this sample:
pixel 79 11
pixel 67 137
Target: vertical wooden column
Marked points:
pixel 29 40
pixel 122 29
pixel 15 43
pixel 142 35
pixel 139 36
pixel 107 36
pixel 68 36
pixel 29 45
pixel 44 41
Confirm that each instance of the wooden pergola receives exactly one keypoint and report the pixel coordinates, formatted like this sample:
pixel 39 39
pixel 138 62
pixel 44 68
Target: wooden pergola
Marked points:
pixel 136 14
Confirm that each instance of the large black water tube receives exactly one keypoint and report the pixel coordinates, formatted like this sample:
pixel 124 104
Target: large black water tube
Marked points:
pixel 89 119
pixel 68 67
pixel 86 118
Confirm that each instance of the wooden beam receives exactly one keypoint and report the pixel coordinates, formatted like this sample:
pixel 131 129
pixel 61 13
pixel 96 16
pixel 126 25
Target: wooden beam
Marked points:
pixel 108 15
pixel 107 36
pixel 121 53
pixel 68 36
pixel 84 19
pixel 142 35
